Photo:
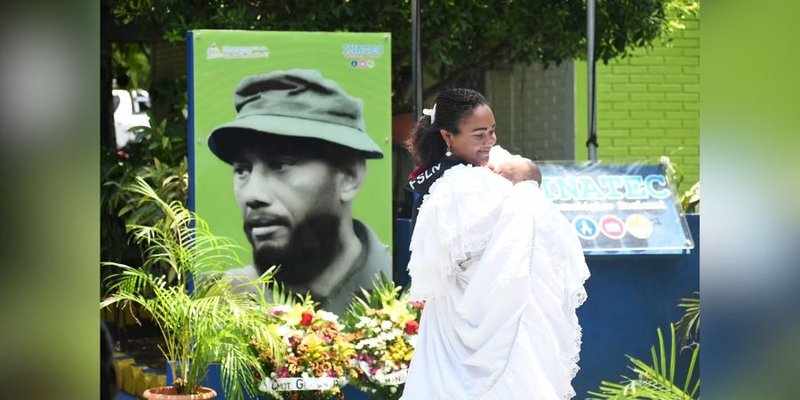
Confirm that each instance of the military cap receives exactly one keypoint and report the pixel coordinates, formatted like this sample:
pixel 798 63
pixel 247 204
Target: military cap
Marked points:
pixel 299 103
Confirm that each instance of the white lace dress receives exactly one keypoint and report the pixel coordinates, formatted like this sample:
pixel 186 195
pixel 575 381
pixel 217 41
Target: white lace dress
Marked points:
pixel 502 272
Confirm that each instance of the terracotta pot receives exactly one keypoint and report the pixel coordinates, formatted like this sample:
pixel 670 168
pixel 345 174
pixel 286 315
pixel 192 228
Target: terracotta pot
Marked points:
pixel 169 393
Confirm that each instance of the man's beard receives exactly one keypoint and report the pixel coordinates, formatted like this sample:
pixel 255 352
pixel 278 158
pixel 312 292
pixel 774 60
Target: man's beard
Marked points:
pixel 313 245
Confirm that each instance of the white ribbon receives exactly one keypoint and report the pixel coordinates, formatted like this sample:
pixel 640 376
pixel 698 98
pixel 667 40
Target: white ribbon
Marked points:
pixel 395 378
pixel 297 384
pixel 431 113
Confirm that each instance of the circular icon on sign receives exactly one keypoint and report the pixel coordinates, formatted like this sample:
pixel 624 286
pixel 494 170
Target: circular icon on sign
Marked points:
pixel 586 227
pixel 612 226
pixel 639 226
pixel 353 63
pixel 362 63
pixel 370 63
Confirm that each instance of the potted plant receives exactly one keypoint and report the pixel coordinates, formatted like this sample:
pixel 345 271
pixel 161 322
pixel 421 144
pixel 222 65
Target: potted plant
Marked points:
pixel 202 316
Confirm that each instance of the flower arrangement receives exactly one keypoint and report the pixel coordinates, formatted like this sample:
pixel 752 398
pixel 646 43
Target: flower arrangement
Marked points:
pixel 317 354
pixel 384 325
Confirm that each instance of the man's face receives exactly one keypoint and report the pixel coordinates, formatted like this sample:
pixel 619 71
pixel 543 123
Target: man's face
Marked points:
pixel 282 197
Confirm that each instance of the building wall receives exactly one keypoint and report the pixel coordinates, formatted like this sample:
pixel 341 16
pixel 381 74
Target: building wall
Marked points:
pixel 534 108
pixel 648 104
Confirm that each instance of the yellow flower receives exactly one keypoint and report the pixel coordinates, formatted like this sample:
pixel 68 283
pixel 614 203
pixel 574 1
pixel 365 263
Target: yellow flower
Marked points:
pixel 313 341
pixel 294 316
pixel 398 351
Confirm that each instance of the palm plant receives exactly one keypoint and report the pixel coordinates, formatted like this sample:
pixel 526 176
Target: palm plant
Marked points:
pixel 689 324
pixel 656 380
pixel 203 315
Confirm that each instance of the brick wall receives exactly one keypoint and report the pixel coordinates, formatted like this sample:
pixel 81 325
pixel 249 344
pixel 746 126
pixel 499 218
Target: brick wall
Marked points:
pixel 534 109
pixel 648 104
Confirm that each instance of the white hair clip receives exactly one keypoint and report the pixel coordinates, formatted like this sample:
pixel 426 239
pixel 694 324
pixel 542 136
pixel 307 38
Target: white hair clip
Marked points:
pixel 431 113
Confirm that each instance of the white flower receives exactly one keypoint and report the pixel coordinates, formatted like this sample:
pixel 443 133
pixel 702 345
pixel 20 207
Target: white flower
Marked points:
pixel 282 308
pixel 389 336
pixel 386 325
pixel 364 322
pixel 327 316
pixel 283 330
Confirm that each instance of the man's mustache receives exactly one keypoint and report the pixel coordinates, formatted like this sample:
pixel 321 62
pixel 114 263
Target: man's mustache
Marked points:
pixel 256 220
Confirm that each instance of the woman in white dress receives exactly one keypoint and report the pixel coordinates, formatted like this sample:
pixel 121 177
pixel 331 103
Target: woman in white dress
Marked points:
pixel 500 269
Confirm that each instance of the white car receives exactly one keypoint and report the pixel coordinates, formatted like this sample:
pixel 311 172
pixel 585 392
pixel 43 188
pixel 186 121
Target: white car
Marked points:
pixel 130 109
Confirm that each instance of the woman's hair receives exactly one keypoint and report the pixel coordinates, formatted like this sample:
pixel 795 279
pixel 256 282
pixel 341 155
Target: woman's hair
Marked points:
pixel 426 143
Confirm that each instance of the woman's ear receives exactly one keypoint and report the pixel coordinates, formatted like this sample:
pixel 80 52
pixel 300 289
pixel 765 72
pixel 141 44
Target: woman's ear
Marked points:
pixel 352 178
pixel 446 136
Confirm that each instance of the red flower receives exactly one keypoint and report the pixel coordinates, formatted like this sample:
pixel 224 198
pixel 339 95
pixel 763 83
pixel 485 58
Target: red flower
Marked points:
pixel 418 304
pixel 412 327
pixel 306 318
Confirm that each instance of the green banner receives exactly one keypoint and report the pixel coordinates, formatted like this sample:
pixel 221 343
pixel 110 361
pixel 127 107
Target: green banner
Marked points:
pixel 302 85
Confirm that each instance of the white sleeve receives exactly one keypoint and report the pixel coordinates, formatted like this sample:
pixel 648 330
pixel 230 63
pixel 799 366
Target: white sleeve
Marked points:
pixel 454 223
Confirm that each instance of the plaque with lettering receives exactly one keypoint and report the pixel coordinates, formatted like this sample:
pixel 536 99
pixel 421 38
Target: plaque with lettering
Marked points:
pixel 618 209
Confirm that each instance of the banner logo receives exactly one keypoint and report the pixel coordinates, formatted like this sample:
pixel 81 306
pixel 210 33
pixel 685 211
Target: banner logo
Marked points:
pixel 612 226
pixel 639 226
pixel 236 52
pixel 362 56
pixel 586 227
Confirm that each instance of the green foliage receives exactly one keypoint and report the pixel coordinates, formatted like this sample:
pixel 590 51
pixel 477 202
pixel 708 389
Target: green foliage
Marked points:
pixel 459 38
pixel 158 156
pixel 216 320
pixel 689 324
pixel 690 199
pixel 383 292
pixel 656 380
pixel 677 11
pixel 131 65
pixel 280 295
